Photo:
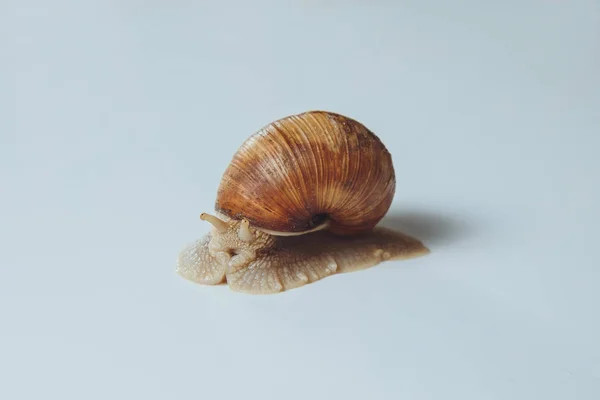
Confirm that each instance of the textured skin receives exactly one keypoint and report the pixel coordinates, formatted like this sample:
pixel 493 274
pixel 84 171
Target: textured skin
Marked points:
pixel 302 169
pixel 274 264
pixel 197 265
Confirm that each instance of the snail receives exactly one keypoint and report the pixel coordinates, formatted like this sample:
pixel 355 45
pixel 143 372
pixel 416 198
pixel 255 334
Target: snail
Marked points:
pixel 300 200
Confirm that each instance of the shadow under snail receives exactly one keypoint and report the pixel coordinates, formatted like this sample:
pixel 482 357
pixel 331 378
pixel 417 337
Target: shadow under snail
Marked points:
pixel 299 201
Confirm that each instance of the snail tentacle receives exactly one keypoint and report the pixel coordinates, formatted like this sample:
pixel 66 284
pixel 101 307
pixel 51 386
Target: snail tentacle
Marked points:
pixel 244 233
pixel 220 226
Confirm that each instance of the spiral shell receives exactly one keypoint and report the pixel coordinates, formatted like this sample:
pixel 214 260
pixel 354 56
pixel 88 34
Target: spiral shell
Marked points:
pixel 308 170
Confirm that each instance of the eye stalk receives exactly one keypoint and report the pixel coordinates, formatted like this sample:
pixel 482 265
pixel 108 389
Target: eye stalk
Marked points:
pixel 244 233
pixel 220 226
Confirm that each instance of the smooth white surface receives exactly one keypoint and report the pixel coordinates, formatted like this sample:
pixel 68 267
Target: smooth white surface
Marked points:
pixel 117 119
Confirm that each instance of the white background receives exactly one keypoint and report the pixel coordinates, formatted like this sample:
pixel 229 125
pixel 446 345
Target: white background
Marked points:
pixel 117 119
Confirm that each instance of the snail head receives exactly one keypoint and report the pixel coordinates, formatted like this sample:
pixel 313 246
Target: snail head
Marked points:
pixel 233 244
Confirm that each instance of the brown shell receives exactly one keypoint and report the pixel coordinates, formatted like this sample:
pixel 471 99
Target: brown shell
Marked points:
pixel 303 169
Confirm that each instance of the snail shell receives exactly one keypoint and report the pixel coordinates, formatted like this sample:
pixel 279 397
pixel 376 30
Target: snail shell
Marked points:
pixel 308 171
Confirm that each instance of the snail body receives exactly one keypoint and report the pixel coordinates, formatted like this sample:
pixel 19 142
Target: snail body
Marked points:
pixel 300 200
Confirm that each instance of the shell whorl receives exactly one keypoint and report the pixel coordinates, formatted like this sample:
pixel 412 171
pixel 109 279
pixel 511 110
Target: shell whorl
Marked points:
pixel 306 170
